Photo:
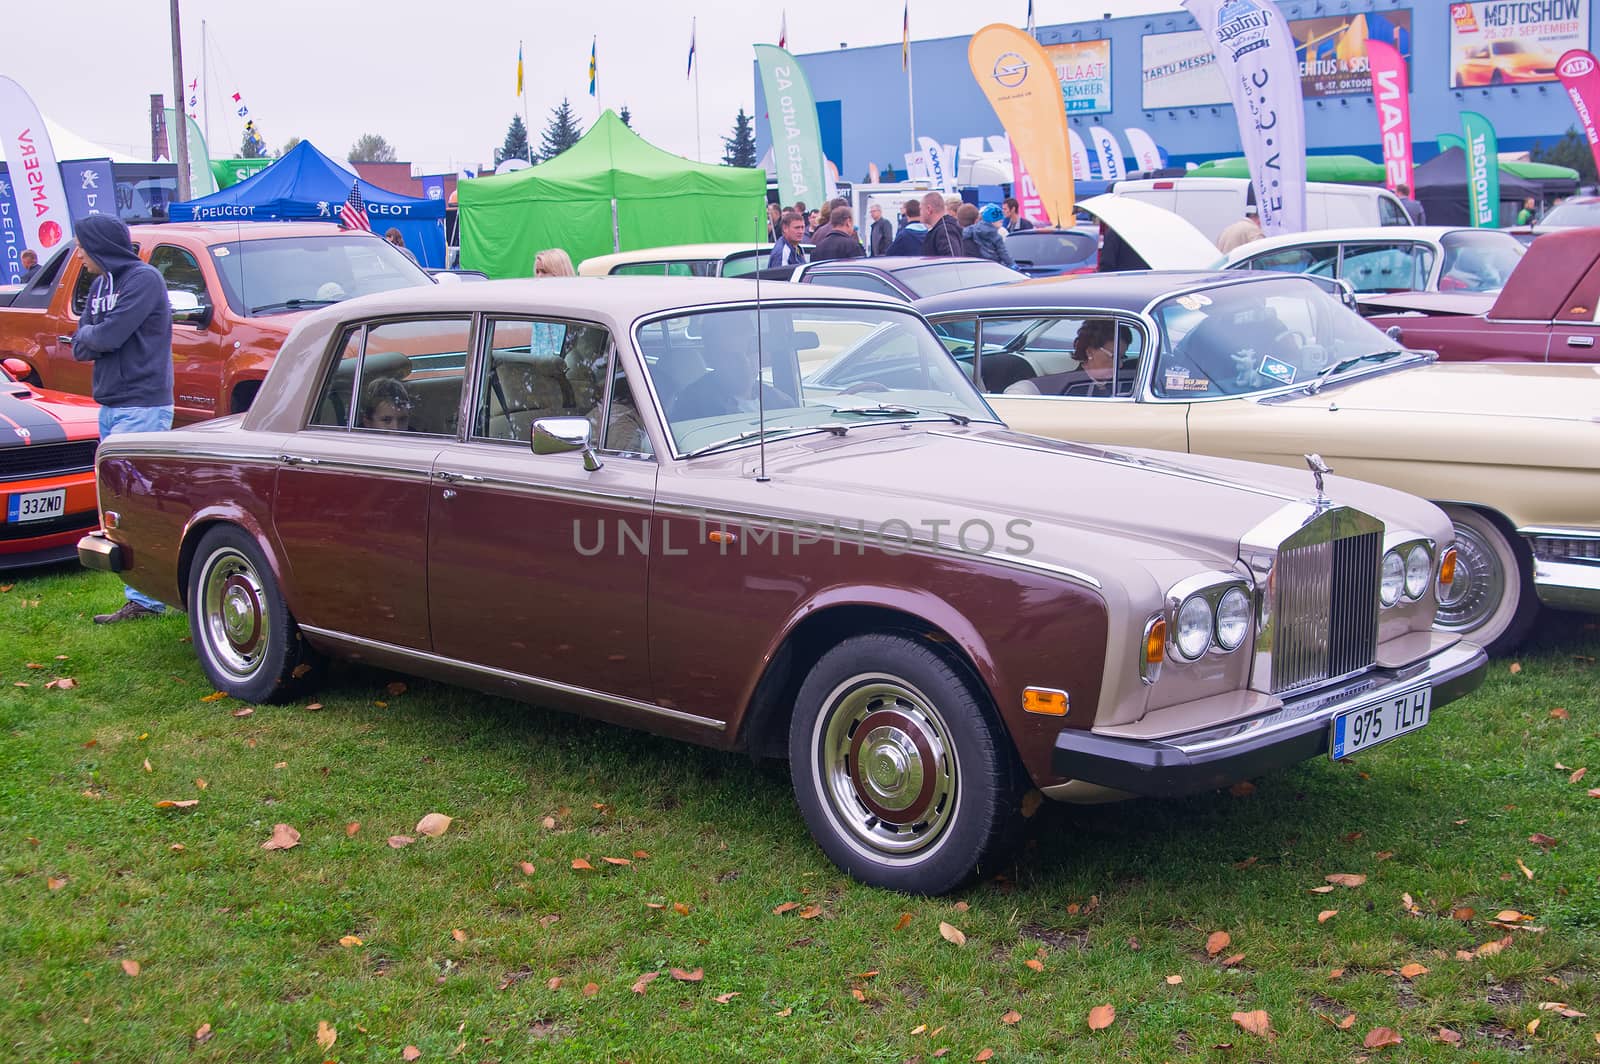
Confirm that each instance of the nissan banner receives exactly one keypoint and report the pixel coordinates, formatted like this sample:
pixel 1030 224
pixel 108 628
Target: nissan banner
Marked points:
pixel 1391 92
pixel 35 179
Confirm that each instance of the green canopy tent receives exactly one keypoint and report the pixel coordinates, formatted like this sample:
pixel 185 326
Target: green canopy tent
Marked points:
pixel 230 172
pixel 1551 180
pixel 611 191
pixel 1343 169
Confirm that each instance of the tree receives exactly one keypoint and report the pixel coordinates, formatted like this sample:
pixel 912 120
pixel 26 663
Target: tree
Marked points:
pixel 740 149
pixel 516 143
pixel 1571 150
pixel 248 148
pixel 562 132
pixel 371 148
pixel 289 145
pixel 626 116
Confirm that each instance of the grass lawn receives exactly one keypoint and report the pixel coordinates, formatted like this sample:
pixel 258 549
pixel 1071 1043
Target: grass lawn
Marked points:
pixel 453 946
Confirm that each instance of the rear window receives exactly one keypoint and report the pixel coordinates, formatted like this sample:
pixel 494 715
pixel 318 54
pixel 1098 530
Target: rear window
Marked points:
pixel 1052 249
pixel 951 276
pixel 1573 214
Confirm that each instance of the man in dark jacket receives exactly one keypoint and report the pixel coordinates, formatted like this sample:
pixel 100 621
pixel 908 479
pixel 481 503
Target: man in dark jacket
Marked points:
pixel 30 264
pixel 911 236
pixel 1015 222
pixel 126 331
pixel 787 251
pixel 944 235
pixel 881 234
pixel 840 241
pixel 1414 210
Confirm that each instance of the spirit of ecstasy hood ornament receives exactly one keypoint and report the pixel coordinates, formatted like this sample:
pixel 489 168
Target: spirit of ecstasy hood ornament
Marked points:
pixel 1318 468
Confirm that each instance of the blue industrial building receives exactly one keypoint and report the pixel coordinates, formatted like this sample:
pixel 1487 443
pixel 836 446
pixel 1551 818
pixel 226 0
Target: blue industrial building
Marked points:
pixel 862 100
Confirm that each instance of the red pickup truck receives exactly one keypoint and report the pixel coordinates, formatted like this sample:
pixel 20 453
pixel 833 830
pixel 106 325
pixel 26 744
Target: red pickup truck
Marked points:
pixel 237 291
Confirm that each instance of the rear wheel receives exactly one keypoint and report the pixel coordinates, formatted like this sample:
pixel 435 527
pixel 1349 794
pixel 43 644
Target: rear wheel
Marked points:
pixel 904 776
pixel 1491 601
pixel 247 641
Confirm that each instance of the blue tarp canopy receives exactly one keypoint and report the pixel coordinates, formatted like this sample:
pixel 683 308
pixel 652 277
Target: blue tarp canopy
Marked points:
pixel 306 185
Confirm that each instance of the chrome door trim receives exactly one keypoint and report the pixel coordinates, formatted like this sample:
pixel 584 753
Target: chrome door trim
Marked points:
pixel 517 677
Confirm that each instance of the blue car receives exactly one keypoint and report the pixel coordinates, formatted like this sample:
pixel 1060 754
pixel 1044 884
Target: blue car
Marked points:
pixel 1052 252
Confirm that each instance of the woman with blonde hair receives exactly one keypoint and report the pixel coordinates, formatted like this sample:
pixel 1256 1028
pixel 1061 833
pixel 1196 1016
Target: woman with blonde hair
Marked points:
pixel 553 262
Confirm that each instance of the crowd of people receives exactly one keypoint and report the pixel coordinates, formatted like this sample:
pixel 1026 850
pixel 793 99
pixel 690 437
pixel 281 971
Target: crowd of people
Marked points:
pixel 933 225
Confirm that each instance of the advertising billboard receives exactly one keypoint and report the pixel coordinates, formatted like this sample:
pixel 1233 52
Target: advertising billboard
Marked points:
pixel 1084 70
pixel 1180 71
pixel 1513 42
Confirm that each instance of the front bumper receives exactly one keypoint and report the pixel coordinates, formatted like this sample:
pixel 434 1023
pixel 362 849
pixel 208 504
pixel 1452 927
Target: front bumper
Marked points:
pixel 96 551
pixel 1215 757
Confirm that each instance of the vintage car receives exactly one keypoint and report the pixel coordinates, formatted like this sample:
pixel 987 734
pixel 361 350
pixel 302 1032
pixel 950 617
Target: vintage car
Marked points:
pixel 1546 312
pixel 1045 251
pixel 926 611
pixel 682 260
pixel 1267 367
pixel 906 277
pixel 47 444
pixel 242 286
pixel 1421 258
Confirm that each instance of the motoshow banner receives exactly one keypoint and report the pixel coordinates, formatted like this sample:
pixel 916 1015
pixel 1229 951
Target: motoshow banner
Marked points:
pixel 1483 170
pixel 1084 70
pixel 1108 153
pixel 1513 42
pixel 1580 76
pixel 793 127
pixel 91 189
pixel 1391 93
pixel 940 171
pixel 1019 80
pixel 1256 54
pixel 41 199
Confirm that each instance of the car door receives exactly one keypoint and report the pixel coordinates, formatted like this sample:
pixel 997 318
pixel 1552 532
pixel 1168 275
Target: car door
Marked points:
pixel 197 347
pixel 1574 335
pixel 537 565
pixel 351 507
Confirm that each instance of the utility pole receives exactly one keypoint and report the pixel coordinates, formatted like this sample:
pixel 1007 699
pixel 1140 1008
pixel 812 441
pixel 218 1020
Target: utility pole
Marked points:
pixel 180 137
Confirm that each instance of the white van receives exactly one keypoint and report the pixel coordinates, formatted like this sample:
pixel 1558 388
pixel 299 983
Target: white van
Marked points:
pixel 1211 204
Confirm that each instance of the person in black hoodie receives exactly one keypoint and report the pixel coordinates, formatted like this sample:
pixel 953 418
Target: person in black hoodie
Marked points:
pixel 126 331
pixel 840 241
pixel 944 235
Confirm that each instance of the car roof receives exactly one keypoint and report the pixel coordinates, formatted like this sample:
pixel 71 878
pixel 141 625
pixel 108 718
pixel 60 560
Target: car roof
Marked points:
pixel 673 253
pixel 228 232
pixel 891 263
pixel 1361 232
pixel 1130 291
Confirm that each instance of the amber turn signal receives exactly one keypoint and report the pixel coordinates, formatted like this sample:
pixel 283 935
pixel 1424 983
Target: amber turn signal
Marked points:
pixel 1155 643
pixel 1447 566
pixel 1046 701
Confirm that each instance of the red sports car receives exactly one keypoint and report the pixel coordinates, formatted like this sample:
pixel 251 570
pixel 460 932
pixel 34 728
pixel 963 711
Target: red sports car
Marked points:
pixel 47 493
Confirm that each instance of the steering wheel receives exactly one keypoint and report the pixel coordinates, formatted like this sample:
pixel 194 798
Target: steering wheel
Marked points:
pixel 864 386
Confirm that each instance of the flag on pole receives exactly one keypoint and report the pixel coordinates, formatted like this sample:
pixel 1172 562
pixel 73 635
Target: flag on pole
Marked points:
pixel 1032 30
pixel 519 68
pixel 690 70
pixel 353 212
pixel 905 38
pixel 783 29
pixel 593 69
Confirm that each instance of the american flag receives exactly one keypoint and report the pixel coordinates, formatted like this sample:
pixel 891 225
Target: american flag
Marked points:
pixel 353 212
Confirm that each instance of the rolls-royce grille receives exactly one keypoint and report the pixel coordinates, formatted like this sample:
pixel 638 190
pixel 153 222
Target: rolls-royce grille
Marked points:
pixel 43 459
pixel 1326 614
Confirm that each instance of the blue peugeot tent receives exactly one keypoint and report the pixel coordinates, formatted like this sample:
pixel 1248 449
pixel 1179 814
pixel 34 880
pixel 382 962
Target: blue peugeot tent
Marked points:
pixel 306 185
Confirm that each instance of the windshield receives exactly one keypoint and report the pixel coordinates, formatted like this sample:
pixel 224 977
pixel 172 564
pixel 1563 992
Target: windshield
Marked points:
pixel 1237 339
pixel 943 277
pixel 1571 215
pixel 1478 262
pixel 285 274
pixel 822 368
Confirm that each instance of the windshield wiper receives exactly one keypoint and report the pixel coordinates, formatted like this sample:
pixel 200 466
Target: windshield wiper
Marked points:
pixel 893 410
pixel 1346 363
pixel 293 304
pixel 756 434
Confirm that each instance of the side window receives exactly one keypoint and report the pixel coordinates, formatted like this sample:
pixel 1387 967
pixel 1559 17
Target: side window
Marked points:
pixel 410 376
pixel 80 289
pixel 1087 357
pixel 181 272
pixel 624 427
pixel 333 407
pixel 1387 267
pixel 538 369
pixel 1390 212
pixel 959 336
pixel 1320 259
pixel 860 282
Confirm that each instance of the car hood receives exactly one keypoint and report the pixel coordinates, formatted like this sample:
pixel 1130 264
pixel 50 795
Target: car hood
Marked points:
pixel 1431 303
pixel 1165 240
pixel 31 416
pixel 1532 391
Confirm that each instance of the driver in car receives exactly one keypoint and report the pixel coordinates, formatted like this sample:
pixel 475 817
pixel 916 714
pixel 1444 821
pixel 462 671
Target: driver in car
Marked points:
pixel 729 384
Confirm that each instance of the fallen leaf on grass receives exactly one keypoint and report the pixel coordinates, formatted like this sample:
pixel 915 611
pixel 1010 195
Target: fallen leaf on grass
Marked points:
pixel 1216 942
pixel 549 823
pixel 1327 914
pixel 395 690
pixel 1101 1017
pixel 187 803
pixel 983 1054
pixel 1525 869
pixel 723 999
pixel 1489 949
pixel 199 783
pixel 785 1012
pixel 349 940
pixel 789 906
pixel 1560 714
pixel 203 1035
pixel 859 994
pixel 176 847
pixel 1594 792
pixel 1409 903
pixel 1465 913
pixel 1574 778
pixel 1035 963
pixel 1448 1037
pixel 580 865
pixel 1383 855
pixel 245 712
pixel 1348 1022
pixel 619 861
pixel 1561 1008
pixel 811 912
pixel 1345 879
pixel 1516 667
pixel 873 974
pixel 1329 889
pixel 1412 970
pixel 284 837
pixel 55 882
pixel 527 867
pixel 554 983
pixel 962 906
pixel 1533 1026
pixel 1539 838
pixel 410 1053
pixel 458 934
pixel 1337 973
pixel 688 977
pixel 1242 789
pixel 1257 1023
pixel 326 1034
pixel 590 989
pixel 397 842
pixel 281 764
pixel 680 908
pixel 61 683
pixel 1229 962
pixel 214 696
pixel 1031 803
pixel 1512 916
pixel 351 828
pixel 380 705
pixel 1011 1018
pixel 644 981
pixel 952 934
pixel 903 923
pixel 130 967
pixel 433 825
pixel 1379 1037
pixel 1246 863
pixel 1174 980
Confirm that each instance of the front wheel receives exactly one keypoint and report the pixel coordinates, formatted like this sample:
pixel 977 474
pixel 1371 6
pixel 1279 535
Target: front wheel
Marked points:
pixel 902 773
pixel 246 639
pixel 1491 601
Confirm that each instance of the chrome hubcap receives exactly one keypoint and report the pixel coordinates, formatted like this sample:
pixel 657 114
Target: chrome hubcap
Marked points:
pixel 1479 584
pixel 888 775
pixel 236 623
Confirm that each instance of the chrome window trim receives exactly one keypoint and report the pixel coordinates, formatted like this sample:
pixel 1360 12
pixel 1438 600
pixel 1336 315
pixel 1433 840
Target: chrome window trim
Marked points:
pixel 1146 324
pixel 677 715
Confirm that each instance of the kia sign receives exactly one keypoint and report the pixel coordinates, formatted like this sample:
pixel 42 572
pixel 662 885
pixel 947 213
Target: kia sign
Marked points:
pixel 36 180
pixel 1580 76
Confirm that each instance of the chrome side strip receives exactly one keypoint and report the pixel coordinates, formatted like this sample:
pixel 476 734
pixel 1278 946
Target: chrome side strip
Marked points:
pixel 518 677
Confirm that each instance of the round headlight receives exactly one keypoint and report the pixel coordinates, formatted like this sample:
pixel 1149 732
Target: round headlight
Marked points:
pixel 1394 578
pixel 1193 634
pixel 1419 567
pixel 1233 619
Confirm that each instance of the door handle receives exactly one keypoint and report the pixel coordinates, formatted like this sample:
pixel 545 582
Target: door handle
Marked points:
pixel 1580 341
pixel 455 478
pixel 296 459
pixel 64 340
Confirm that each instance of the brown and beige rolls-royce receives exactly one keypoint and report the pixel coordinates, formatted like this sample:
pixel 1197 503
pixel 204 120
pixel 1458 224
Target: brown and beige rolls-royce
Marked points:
pixel 624 498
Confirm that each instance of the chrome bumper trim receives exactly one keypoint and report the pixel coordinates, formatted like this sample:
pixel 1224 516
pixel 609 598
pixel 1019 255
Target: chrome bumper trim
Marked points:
pixel 1567 585
pixel 96 551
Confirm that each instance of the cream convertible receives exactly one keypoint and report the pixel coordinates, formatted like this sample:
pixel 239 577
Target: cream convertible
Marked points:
pixel 1268 367
pixel 872 584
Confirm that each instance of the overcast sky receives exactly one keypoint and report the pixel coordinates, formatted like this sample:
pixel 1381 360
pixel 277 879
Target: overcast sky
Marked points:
pixel 438 79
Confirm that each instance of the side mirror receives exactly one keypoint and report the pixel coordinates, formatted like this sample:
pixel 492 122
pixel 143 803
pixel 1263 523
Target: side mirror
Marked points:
pixel 1393 333
pixel 563 435
pixel 187 308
